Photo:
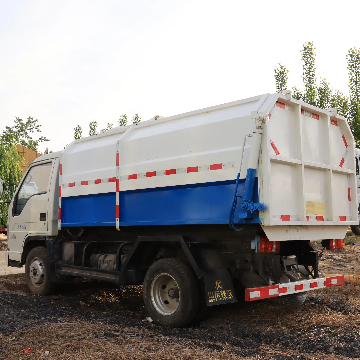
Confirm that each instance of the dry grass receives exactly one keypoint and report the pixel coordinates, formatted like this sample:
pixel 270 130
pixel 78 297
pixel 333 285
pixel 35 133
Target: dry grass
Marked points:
pixel 81 340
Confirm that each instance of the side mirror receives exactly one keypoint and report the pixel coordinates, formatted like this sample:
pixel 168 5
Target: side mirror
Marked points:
pixel 1 186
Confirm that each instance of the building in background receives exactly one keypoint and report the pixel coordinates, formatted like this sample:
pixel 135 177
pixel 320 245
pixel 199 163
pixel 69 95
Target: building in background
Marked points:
pixel 29 156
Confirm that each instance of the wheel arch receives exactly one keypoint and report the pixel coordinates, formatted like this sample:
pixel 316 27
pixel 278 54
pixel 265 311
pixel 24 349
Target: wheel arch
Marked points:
pixel 30 243
pixel 149 249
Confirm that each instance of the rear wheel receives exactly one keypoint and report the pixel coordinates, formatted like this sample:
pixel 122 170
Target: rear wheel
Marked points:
pixel 171 293
pixel 38 271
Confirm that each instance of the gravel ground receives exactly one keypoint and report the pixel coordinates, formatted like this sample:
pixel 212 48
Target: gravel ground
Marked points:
pixel 88 320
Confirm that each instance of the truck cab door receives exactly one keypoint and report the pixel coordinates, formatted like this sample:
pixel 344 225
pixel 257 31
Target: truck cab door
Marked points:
pixel 29 212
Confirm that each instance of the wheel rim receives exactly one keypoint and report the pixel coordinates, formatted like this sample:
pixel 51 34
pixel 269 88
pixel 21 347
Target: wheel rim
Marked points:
pixel 36 272
pixel 165 294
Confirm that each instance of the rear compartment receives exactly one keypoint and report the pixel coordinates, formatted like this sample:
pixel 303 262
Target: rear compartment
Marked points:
pixel 183 169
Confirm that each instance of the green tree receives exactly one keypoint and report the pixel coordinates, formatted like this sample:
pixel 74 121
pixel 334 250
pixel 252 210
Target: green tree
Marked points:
pixel 21 133
pixel 281 77
pixel 92 127
pixel 340 102
pixel 136 119
pixel 353 65
pixel 309 79
pixel 324 95
pixel 77 132
pixel 109 126
pixel 123 120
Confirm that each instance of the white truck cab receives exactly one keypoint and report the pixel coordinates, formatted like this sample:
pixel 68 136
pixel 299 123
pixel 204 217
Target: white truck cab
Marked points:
pixel 34 210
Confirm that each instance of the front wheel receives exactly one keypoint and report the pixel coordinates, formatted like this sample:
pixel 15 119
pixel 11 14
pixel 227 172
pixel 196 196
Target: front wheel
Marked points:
pixel 171 293
pixel 38 271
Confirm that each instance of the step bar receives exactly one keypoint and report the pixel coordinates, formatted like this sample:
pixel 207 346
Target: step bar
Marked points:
pixel 266 292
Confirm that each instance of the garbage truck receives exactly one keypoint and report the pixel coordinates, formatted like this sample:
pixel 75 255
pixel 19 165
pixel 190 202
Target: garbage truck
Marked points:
pixel 208 207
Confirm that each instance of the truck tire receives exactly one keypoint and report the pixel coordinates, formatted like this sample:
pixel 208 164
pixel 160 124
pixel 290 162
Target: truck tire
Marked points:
pixel 38 272
pixel 171 293
pixel 355 229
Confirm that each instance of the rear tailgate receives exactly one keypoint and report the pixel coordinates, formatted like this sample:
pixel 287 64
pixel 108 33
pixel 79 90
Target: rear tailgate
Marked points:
pixel 307 173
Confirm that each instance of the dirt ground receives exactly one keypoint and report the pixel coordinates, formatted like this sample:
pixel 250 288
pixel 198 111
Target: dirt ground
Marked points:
pixel 88 320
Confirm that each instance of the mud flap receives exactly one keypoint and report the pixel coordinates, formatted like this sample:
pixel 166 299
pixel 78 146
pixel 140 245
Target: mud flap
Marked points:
pixel 219 286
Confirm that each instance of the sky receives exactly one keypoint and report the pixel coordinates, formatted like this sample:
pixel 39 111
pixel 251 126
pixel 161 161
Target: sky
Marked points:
pixel 70 62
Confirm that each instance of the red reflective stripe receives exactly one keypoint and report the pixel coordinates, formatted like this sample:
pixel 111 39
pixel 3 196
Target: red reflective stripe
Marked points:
pixel 117 159
pixel 151 174
pixel 282 290
pixel 133 177
pixel 315 116
pixel 71 184
pixel 113 179
pixel 299 287
pixel 349 194
pixel 280 104
pixel 285 217
pixel 98 181
pixel 170 172
pixel 216 167
pixel 313 285
pixel 342 162
pixel 307 218
pixel 117 211
pixel 59 213
pixel 340 281
pixel 192 169
pixel 117 185
pixel 264 292
pixel 342 218
pixel 302 111
pixel 60 169
pixel 345 142
pixel 334 122
pixel 59 191
pixel 320 218
pixel 275 148
pixel 84 183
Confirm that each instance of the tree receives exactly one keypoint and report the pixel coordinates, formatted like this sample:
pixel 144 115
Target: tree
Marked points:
pixel 136 119
pixel 340 102
pixel 123 120
pixel 92 127
pixel 324 95
pixel 77 132
pixel 109 126
pixel 308 57
pixel 21 133
pixel 281 78
pixel 353 61
pixel 11 159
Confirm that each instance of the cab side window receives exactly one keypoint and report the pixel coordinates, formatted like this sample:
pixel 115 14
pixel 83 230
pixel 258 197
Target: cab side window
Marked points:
pixel 35 183
pixel 357 166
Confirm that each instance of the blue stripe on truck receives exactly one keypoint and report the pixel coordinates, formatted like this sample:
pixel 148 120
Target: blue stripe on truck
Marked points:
pixel 207 203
